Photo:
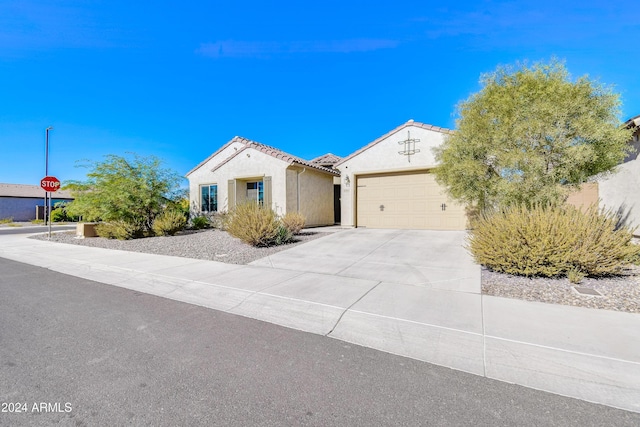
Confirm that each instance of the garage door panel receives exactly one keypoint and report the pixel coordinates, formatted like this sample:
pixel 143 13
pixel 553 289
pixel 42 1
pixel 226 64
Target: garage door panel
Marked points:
pixel 409 201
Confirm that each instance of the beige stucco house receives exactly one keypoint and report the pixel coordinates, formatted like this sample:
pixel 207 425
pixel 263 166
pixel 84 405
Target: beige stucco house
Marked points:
pixel 389 183
pixel 244 170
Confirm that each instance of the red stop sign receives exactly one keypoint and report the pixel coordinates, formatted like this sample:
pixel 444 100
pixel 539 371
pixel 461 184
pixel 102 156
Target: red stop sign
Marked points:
pixel 50 183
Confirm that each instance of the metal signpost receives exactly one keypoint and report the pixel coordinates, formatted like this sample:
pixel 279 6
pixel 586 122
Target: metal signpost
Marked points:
pixel 50 184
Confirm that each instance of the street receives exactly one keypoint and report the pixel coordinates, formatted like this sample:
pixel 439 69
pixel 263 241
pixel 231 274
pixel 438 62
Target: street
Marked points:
pixel 77 352
pixel 35 229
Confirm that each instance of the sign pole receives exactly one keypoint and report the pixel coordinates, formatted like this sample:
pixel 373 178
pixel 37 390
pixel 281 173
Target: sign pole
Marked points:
pixel 49 184
pixel 49 215
pixel 47 195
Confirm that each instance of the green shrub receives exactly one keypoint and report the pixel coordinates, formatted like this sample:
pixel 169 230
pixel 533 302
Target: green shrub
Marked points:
pixel 255 225
pixel 60 213
pixel 283 236
pixel 6 220
pixel 552 241
pixel 294 222
pixel 199 222
pixel 121 230
pixel 169 222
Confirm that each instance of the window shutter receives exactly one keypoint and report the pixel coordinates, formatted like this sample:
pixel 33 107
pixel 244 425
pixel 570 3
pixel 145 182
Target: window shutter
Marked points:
pixel 267 191
pixel 231 194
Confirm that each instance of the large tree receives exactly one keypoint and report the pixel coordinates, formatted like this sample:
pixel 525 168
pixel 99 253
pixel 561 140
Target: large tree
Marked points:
pixel 134 189
pixel 530 134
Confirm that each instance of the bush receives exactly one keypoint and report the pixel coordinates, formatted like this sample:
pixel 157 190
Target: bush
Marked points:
pixel 169 222
pixel 256 225
pixel 60 213
pixel 294 222
pixel 8 220
pixel 200 222
pixel 121 230
pixel 552 241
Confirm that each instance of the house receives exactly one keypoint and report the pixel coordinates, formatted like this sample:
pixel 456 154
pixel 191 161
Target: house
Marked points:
pixel 389 183
pixel 244 170
pixel 620 191
pixel 19 201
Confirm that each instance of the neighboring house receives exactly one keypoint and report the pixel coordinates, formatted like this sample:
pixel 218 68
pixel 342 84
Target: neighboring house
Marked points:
pixel 620 191
pixel 388 183
pixel 19 201
pixel 244 170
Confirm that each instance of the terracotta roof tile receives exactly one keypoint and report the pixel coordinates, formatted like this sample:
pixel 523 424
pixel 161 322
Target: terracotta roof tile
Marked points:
pixel 271 151
pixel 326 159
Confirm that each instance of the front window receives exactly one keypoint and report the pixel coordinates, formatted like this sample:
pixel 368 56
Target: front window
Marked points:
pixel 255 191
pixel 209 198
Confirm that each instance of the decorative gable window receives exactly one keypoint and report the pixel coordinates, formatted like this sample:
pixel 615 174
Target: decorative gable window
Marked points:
pixel 209 198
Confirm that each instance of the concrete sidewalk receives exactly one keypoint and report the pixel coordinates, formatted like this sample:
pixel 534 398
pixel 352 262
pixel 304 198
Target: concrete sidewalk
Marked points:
pixel 412 293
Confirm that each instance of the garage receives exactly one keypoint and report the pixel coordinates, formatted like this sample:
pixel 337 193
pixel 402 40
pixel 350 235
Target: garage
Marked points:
pixel 406 200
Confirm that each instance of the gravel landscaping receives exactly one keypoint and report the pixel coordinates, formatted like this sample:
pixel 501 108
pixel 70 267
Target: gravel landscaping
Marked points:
pixel 210 244
pixel 620 293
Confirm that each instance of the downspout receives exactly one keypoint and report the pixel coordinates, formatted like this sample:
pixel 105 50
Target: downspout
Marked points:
pixel 298 187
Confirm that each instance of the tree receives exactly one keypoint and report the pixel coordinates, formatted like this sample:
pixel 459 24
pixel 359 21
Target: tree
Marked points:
pixel 529 135
pixel 134 190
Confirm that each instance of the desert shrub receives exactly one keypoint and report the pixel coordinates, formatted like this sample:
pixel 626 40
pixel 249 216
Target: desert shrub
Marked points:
pixel 552 241
pixel 121 230
pixel 169 222
pixel 254 224
pixel 199 222
pixel 8 220
pixel 293 221
pixel 283 236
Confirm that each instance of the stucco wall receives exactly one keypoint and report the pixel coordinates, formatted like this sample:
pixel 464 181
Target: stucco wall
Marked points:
pixel 384 157
pixel 248 164
pixel 620 191
pixel 316 197
pixel 22 208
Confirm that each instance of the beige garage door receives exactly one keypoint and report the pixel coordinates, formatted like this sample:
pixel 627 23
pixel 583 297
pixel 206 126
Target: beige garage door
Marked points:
pixel 406 200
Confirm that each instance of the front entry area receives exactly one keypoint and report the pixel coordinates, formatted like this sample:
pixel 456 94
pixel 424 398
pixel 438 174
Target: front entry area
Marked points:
pixel 406 200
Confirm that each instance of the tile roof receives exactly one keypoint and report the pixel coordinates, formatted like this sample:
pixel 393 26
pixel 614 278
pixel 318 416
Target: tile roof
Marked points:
pixel 399 128
pixel 274 152
pixel 30 191
pixel 326 159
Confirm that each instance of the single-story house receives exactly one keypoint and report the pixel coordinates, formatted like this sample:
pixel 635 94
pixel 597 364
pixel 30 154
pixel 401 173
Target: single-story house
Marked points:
pixel 20 201
pixel 244 170
pixel 388 183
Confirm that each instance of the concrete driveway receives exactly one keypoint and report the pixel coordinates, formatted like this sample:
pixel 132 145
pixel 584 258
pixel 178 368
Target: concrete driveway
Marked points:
pixel 431 259
pixel 415 293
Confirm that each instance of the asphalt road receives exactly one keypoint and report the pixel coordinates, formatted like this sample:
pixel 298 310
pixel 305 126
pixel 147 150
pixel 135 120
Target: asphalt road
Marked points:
pixel 34 229
pixel 81 353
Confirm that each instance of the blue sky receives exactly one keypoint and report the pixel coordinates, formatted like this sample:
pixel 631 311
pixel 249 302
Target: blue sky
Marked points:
pixel 179 79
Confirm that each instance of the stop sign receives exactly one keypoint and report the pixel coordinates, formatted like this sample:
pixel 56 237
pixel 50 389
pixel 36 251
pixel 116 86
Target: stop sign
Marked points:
pixel 50 183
